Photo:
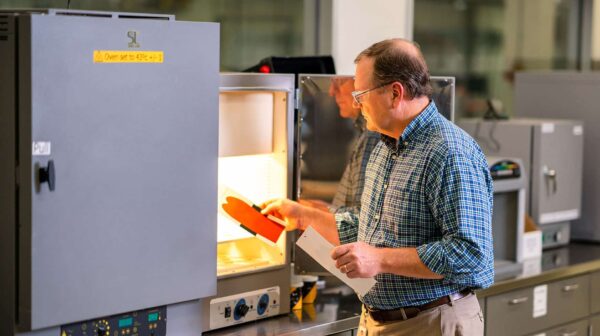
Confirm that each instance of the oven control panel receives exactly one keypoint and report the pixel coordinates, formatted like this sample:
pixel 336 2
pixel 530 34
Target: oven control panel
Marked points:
pixel 244 307
pixel 147 322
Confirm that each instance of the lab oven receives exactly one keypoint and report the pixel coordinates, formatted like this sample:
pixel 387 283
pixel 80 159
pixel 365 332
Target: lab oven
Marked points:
pixel 569 94
pixel 108 177
pixel 327 135
pixel 256 128
pixel 552 154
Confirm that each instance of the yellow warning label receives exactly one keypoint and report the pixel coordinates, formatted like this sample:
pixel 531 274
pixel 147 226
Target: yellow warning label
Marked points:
pixel 123 56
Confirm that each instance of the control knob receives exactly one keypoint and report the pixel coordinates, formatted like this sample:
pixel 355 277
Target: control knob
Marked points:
pixel 263 304
pixel 241 309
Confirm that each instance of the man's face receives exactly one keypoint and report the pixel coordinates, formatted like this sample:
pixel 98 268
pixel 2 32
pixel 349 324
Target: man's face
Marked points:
pixel 372 103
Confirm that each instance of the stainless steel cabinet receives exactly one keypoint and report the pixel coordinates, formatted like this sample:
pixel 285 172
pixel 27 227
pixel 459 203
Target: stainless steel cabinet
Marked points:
pixel 579 328
pixel 595 295
pixel 523 312
pixel 595 325
pixel 564 94
pixel 552 152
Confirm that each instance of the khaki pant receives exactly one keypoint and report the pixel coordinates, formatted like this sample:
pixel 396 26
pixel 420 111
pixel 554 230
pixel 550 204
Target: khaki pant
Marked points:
pixel 462 317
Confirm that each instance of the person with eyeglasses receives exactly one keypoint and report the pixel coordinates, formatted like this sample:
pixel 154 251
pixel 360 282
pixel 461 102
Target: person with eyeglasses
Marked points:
pixel 351 184
pixel 424 229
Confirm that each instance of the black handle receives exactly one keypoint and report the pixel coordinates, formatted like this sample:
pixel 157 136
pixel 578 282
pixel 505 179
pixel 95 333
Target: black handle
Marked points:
pixel 47 175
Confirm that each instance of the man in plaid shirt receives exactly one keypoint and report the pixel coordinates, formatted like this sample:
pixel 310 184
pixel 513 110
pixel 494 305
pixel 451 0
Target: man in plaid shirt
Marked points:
pixel 424 227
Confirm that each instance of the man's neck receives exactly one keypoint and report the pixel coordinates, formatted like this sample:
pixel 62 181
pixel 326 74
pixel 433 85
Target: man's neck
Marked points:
pixel 410 111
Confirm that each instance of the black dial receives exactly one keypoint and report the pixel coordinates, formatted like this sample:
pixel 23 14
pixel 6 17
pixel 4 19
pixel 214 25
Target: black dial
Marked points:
pixel 241 309
pixel 102 328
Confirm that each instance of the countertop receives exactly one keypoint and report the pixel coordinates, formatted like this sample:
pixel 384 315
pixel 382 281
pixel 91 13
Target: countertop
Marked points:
pixel 337 308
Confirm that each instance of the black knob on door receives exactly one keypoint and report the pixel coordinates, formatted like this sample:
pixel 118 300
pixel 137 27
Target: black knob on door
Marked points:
pixel 47 175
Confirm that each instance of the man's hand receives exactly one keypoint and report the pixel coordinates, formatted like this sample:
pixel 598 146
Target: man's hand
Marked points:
pixel 357 260
pixel 288 210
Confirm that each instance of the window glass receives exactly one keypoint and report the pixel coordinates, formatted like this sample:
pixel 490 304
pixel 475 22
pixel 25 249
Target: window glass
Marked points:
pixel 483 43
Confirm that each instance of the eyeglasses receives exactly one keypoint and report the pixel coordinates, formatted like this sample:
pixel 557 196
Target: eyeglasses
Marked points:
pixel 357 94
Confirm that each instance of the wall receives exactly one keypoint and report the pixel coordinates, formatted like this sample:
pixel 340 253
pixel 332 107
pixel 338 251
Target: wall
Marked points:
pixel 356 24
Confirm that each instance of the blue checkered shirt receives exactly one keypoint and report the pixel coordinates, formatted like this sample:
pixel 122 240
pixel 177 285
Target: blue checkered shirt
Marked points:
pixel 430 189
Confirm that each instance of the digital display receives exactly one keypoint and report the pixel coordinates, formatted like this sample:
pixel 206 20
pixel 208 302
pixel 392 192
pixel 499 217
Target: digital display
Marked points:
pixel 152 317
pixel 126 322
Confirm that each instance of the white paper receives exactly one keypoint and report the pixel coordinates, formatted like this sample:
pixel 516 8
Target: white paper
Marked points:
pixel 540 301
pixel 320 249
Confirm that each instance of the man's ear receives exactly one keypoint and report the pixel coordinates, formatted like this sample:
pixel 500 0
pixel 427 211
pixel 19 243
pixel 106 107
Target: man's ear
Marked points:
pixel 397 93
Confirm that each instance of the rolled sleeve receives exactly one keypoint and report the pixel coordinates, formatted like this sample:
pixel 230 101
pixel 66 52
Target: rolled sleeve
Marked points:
pixel 460 198
pixel 346 219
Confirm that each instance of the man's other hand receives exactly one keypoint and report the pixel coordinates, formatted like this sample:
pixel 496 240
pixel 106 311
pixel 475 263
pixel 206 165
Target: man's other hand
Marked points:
pixel 357 260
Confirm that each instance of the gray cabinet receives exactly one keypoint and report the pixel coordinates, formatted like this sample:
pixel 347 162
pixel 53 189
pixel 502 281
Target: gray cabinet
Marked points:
pixel 565 94
pixel 579 328
pixel 513 313
pixel 552 152
pixel 510 313
pixel 595 295
pixel 595 325
pixel 116 169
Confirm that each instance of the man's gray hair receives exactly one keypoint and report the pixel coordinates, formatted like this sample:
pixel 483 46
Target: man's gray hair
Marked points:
pixel 399 60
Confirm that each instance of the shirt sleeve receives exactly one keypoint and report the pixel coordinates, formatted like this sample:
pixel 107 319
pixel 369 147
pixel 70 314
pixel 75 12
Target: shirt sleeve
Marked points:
pixel 460 195
pixel 346 219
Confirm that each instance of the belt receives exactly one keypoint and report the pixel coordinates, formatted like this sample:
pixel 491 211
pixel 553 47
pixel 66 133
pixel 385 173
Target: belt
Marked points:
pixel 406 313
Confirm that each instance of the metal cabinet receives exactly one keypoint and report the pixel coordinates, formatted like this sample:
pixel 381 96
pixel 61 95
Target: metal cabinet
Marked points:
pixel 579 328
pixel 510 313
pixel 595 295
pixel 552 152
pixel 569 94
pixel 110 172
pixel 522 311
pixel 595 325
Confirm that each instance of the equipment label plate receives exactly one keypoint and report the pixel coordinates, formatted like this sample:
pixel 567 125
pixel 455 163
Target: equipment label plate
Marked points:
pixel 40 148
pixel 124 56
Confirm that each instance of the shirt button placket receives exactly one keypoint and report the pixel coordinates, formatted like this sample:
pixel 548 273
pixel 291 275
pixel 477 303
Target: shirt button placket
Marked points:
pixel 379 209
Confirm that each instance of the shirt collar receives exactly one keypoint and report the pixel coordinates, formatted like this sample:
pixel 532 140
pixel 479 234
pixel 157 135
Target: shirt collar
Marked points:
pixel 414 128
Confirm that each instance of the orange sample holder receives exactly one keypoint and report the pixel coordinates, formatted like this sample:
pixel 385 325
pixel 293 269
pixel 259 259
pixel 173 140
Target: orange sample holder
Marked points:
pixel 252 220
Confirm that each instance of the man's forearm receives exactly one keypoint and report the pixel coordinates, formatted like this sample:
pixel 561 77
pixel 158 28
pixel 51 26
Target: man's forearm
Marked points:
pixel 323 222
pixel 405 261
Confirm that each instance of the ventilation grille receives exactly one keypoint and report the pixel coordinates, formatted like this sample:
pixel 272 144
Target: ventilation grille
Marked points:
pixel 3 27
pixel 112 15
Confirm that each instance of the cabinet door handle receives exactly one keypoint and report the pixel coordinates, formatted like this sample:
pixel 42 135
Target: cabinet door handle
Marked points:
pixel 569 333
pixel 518 300
pixel 570 288
pixel 551 175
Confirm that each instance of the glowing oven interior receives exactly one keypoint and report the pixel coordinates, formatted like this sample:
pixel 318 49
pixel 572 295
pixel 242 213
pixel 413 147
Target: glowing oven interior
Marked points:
pixel 253 162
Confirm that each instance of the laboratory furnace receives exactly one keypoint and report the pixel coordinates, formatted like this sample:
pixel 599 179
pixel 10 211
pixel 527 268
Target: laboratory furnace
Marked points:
pixel 256 128
pixel 108 177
